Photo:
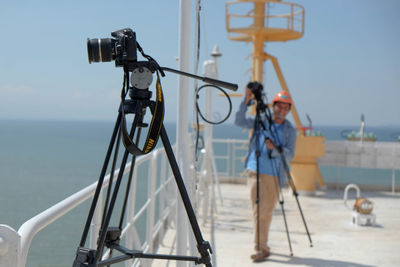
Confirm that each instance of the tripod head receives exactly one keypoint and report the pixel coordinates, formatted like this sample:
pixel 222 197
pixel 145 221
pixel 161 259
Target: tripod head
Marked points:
pixel 123 49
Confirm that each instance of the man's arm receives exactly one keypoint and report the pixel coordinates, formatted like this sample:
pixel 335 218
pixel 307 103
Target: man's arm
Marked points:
pixel 240 119
pixel 289 146
pixel 288 149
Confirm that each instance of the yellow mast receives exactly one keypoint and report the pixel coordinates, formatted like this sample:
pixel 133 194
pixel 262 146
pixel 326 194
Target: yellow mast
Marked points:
pixel 260 21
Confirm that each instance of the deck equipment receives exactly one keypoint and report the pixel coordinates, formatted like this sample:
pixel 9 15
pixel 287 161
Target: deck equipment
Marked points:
pixel 361 209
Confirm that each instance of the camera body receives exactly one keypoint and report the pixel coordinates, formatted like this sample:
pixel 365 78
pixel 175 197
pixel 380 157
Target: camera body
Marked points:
pixel 257 89
pixel 122 48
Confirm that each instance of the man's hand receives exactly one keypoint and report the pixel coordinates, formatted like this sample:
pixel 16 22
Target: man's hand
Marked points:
pixel 248 96
pixel 269 144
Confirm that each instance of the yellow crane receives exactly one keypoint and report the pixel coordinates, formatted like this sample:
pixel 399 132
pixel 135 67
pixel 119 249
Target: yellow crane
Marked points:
pixel 261 21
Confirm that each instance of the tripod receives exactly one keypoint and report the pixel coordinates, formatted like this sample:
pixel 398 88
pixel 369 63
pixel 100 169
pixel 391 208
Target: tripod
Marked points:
pixel 258 123
pixel 278 145
pixel 109 236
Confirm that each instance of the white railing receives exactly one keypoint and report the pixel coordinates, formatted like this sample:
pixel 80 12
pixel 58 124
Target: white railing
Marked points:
pixel 363 155
pixel 230 164
pixel 14 245
pixel 339 154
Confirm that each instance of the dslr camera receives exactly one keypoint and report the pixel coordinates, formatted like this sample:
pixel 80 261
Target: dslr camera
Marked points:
pixel 122 48
pixel 257 89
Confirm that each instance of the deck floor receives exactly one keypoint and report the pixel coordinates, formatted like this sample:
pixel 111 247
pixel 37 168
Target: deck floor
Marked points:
pixel 336 240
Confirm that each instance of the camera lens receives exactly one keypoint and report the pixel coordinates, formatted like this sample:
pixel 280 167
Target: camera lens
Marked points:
pixel 100 50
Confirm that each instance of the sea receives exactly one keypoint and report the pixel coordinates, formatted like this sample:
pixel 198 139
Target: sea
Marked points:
pixel 43 162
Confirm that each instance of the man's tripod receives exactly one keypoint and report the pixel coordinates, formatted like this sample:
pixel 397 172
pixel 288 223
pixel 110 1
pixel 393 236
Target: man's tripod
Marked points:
pixel 259 126
pixel 109 236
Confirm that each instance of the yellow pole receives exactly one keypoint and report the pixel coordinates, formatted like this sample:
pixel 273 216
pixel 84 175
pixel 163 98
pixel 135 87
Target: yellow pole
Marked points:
pixel 284 88
pixel 258 47
pixel 258 42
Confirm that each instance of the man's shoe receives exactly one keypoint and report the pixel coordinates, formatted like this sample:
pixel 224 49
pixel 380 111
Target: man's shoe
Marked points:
pixel 259 256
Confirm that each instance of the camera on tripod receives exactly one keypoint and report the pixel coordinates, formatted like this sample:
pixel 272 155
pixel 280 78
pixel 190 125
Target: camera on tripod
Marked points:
pixel 257 89
pixel 122 49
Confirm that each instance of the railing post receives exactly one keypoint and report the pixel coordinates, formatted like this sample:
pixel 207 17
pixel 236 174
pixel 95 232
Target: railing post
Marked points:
pixel 234 160
pixel 163 178
pixel 151 191
pixel 291 17
pixel 393 180
pixel 10 247
pixel 130 235
pixel 393 169
pixel 96 222
pixel 228 167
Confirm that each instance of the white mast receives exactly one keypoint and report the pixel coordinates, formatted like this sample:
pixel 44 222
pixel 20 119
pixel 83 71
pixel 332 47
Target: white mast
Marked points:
pixel 182 134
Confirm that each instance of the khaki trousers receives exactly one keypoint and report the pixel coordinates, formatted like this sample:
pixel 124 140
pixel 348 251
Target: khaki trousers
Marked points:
pixel 268 197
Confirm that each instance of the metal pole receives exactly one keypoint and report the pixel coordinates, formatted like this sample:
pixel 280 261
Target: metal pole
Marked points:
pixel 208 71
pixel 208 168
pixel 182 135
pixel 393 181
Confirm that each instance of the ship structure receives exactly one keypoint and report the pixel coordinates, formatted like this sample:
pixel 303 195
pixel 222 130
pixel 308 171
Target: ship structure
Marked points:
pixel 259 22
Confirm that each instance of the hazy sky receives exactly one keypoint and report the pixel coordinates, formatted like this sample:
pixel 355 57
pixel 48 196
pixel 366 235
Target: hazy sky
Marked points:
pixel 347 63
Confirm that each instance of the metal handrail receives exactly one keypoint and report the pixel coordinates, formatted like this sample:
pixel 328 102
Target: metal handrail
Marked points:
pixel 339 154
pixel 291 17
pixel 30 228
pixel 34 225
pixel 233 146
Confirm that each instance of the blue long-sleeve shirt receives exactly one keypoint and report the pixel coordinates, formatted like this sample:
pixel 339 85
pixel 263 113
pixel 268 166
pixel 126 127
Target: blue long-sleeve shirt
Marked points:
pixel 286 135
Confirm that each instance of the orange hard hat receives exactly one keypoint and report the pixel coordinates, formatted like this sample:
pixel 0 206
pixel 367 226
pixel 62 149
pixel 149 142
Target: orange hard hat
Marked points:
pixel 284 97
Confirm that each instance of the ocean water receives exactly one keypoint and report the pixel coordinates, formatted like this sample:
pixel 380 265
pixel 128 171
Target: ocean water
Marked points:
pixel 43 162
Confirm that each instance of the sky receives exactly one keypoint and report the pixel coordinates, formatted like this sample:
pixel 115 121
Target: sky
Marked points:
pixel 346 64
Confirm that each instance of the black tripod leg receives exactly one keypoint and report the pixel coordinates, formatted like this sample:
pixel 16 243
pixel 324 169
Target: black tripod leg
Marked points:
pixel 110 209
pixel 104 229
pixel 298 204
pixel 100 181
pixel 258 154
pixel 202 246
pixel 114 162
pixel 286 226
pixel 281 202
pixel 304 220
pixel 286 167
pixel 127 190
pixel 133 162
pixel 258 199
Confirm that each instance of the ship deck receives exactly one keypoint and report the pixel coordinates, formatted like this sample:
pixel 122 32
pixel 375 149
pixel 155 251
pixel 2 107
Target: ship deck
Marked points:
pixel 336 240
